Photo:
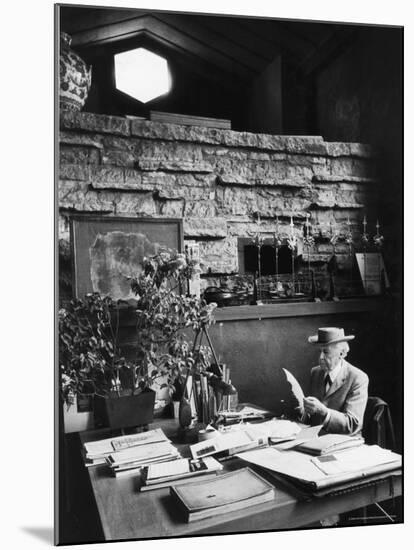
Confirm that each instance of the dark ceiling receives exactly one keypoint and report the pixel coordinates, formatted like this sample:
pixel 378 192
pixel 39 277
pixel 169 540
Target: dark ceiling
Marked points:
pixel 239 45
pixel 215 61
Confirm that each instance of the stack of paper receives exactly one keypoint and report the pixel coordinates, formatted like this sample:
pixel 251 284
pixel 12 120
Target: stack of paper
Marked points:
pixel 115 449
pixel 329 443
pixel 231 442
pixel 328 470
pixel 131 460
pixel 177 472
pixel 280 430
pixel 245 413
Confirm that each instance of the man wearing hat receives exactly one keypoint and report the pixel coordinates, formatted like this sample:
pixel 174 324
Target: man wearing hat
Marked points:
pixel 339 391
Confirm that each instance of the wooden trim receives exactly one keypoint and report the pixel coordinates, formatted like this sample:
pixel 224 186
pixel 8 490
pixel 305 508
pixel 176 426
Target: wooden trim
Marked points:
pixel 303 309
pixel 275 311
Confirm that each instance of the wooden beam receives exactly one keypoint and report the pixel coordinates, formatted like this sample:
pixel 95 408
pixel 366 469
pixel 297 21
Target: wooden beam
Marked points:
pixel 162 31
pixel 234 32
pixel 213 40
pixel 75 20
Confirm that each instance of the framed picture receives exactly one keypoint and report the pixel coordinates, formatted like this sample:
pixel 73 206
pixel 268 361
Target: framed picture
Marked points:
pixel 106 251
pixel 373 274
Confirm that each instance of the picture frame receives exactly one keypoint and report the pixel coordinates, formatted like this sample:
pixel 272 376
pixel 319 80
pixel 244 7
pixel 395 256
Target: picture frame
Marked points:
pixel 107 250
pixel 373 273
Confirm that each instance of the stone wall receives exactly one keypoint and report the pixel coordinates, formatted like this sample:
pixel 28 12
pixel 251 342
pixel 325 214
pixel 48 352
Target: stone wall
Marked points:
pixel 216 180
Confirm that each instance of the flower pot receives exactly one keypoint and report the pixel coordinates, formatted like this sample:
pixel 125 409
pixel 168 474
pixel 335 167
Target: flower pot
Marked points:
pixel 75 77
pixel 75 418
pixel 124 412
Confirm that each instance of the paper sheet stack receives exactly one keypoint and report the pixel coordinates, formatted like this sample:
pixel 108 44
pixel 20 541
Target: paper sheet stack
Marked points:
pixel 127 454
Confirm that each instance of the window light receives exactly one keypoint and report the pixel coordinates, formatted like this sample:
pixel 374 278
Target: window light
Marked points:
pixel 142 74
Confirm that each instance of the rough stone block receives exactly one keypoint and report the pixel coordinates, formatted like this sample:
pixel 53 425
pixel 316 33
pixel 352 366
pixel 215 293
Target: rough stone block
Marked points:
pixel 235 179
pixel 168 151
pixel 248 228
pixel 214 153
pixel 236 202
pixel 110 176
pixel 74 172
pixel 78 155
pixel 327 179
pixel 219 256
pixel 171 208
pixel 174 186
pixel 289 182
pixel 268 202
pixel 90 122
pixel 78 139
pixel 118 158
pixel 134 180
pixel 200 209
pixel 343 166
pixel 78 197
pixel 205 227
pixel 176 165
pixel 136 203
pixel 340 149
pixel 307 145
pixel 119 143
pixel 259 172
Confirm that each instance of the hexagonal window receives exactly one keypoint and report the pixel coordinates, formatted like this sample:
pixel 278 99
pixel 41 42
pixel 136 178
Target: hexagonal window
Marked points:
pixel 142 74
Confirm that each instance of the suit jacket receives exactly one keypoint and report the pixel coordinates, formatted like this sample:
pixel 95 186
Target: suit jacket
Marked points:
pixel 347 398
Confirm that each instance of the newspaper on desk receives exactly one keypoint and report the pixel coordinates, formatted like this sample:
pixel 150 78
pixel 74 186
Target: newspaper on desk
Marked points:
pixel 330 470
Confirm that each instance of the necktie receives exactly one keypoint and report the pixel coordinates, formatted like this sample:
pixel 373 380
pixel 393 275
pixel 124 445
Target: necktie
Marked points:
pixel 327 383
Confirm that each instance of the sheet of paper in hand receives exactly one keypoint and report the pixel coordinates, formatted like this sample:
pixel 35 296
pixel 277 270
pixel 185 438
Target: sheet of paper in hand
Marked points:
pixel 296 389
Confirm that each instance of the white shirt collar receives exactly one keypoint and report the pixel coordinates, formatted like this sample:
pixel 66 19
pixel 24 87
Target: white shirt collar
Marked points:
pixel 334 372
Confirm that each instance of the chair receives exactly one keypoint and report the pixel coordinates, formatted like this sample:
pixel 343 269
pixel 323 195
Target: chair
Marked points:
pixel 377 426
pixel 377 429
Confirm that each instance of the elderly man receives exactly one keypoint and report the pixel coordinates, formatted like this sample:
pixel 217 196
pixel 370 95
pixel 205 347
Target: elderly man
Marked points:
pixel 339 391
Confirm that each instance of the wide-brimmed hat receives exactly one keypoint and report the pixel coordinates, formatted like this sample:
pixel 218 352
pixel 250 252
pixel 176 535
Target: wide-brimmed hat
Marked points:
pixel 330 335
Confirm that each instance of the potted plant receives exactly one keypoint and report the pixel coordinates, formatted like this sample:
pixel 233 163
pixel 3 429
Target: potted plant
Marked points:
pixel 92 363
pixel 169 323
pixel 90 357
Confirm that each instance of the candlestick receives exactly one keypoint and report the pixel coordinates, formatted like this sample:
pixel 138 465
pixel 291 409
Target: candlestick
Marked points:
pixel 365 236
pixel 308 239
pixel 378 239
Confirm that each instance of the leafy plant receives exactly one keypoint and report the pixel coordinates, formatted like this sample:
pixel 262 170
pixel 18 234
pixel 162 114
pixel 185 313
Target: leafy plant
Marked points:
pixel 167 322
pixel 88 356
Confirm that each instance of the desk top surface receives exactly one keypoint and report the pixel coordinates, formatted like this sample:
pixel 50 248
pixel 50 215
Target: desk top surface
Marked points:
pixel 126 513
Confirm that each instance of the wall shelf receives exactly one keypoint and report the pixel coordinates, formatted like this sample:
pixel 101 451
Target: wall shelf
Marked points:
pixel 270 311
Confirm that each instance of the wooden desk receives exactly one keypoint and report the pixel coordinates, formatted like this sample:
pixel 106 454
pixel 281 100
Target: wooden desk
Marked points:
pixel 125 513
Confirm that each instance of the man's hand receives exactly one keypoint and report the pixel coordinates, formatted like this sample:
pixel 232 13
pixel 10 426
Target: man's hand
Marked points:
pixel 314 406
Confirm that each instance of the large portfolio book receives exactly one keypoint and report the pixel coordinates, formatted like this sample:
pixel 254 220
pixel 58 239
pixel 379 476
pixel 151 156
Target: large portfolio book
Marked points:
pixel 225 493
